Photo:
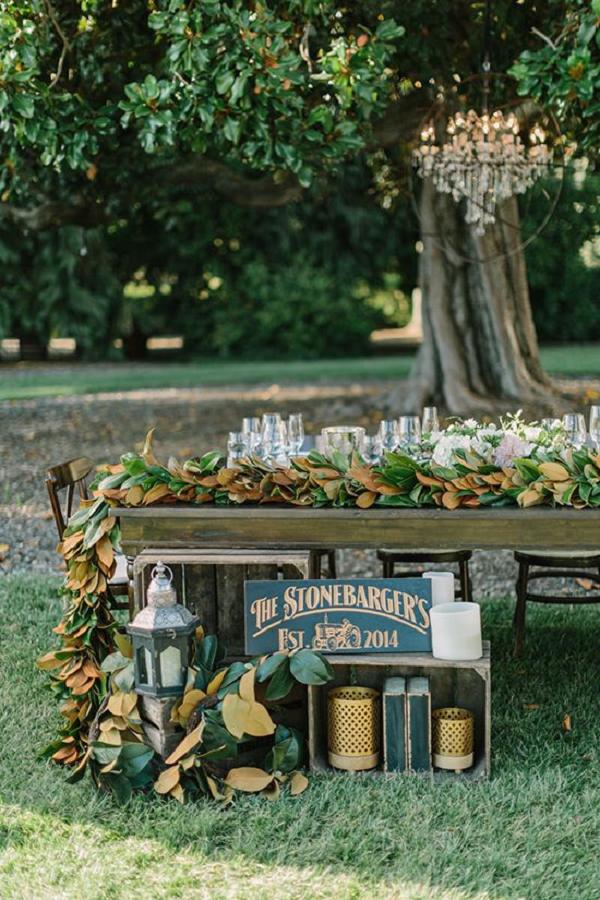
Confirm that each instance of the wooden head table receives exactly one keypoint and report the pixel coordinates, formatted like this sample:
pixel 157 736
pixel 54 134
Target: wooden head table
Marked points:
pixel 294 528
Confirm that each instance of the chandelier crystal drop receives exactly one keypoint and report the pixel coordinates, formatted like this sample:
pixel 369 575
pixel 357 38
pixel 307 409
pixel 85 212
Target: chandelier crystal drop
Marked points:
pixel 482 161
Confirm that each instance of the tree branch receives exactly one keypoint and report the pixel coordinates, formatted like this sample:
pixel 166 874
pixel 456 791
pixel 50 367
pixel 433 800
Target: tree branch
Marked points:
pixel 261 192
pixel 66 46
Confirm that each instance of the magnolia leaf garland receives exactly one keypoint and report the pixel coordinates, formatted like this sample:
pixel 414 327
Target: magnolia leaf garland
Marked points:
pixel 92 673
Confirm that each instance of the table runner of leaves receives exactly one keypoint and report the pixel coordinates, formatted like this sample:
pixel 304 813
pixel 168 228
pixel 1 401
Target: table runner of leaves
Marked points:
pixel 92 671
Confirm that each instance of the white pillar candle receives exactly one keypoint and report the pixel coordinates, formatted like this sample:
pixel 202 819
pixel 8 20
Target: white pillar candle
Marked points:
pixel 442 587
pixel 456 631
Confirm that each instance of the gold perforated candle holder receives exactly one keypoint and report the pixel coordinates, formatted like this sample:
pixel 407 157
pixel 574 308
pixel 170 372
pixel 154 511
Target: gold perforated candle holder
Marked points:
pixel 353 728
pixel 452 738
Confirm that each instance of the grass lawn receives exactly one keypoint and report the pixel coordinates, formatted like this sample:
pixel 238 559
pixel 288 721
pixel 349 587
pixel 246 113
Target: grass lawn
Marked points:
pixel 532 831
pixel 19 382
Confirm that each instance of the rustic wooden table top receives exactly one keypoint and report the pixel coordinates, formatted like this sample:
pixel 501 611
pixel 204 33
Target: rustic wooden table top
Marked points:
pixel 242 527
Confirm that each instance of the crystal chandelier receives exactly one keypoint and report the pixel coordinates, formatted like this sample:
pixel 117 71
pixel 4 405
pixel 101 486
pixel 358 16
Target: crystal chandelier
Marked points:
pixel 482 159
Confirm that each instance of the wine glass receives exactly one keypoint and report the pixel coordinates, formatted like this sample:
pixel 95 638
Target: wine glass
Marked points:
pixel 370 449
pixel 574 424
pixel 274 437
pixel 251 427
pixel 410 430
pixel 388 438
pixel 595 426
pixel 430 424
pixel 237 447
pixel 295 430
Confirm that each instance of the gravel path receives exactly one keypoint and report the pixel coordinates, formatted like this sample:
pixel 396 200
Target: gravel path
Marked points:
pixel 37 433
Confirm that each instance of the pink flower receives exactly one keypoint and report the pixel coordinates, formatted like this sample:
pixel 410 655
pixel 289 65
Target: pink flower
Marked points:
pixel 510 448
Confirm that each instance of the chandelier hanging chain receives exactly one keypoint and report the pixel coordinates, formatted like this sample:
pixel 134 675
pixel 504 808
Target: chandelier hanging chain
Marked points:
pixel 482 159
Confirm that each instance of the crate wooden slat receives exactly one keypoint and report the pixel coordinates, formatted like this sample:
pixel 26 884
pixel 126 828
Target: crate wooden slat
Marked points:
pixel 464 683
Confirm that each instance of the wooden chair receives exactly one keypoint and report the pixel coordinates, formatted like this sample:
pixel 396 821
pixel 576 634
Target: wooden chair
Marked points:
pixel 65 483
pixel 326 556
pixel 567 564
pixel 390 558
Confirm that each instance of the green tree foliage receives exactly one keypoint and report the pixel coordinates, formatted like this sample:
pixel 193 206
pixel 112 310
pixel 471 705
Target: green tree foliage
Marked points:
pixel 121 122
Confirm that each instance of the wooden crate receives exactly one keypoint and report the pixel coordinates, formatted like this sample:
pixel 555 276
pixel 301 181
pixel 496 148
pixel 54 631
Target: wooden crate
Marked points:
pixel 453 683
pixel 211 582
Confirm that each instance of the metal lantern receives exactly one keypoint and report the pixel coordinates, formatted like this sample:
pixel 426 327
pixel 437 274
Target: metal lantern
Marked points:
pixel 162 635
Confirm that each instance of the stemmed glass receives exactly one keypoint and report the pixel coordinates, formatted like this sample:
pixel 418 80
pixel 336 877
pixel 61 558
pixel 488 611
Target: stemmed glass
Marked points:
pixel 370 449
pixel 410 430
pixel 295 433
pixel 274 437
pixel 576 431
pixel 430 425
pixel 251 430
pixel 388 438
pixel 595 426
pixel 344 439
pixel 237 447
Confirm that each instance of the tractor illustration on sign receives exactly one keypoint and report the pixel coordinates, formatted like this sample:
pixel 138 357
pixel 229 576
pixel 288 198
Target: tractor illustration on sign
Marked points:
pixel 336 636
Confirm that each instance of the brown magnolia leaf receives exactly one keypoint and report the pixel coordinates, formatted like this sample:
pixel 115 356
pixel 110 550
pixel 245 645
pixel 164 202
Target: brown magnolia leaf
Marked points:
pixel 147 452
pixel 183 710
pixel 529 497
pixel 105 552
pixel 167 780
pixel 586 583
pixel 298 783
pixel 259 722
pixel 366 499
pixel 531 706
pixel 112 737
pixel 128 703
pixel 248 778
pixel 188 762
pixel 187 744
pixel 71 542
pixel 272 791
pixel 177 792
pixel 246 690
pixel 107 524
pixel 215 683
pixel 84 688
pixel 49 661
pixel 235 714
pixel 4 551
pixel 450 500
pixel 156 493
pixel 567 723
pixel 109 766
pixel 134 495
pixel 115 703
pixel 554 471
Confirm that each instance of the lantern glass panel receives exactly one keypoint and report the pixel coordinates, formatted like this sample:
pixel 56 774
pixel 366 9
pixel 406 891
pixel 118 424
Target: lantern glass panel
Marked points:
pixel 148 667
pixel 170 667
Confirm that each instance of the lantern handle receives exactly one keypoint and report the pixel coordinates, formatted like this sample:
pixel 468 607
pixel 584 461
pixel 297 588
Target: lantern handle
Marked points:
pixel 160 568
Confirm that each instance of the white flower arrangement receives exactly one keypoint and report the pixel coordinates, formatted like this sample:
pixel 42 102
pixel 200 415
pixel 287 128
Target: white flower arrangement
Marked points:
pixel 500 446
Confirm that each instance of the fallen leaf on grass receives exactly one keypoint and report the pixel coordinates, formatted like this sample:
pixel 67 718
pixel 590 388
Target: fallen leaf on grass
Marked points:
pixel 4 551
pixel 586 583
pixel 531 706
pixel 567 723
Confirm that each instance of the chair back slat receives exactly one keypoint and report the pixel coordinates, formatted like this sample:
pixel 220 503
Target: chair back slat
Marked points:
pixel 68 476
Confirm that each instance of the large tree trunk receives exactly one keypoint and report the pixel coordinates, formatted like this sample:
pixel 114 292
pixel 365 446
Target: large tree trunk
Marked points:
pixel 480 349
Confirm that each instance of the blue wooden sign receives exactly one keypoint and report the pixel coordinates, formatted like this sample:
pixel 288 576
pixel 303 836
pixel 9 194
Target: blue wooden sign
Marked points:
pixel 354 615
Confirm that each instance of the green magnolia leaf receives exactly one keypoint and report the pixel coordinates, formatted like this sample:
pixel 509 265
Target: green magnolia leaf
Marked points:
pixel 124 678
pixel 217 742
pixel 281 683
pixel 229 683
pixel 104 753
pixel 268 668
pixel 134 758
pixel 120 786
pixel 206 653
pixel 114 661
pixel 287 751
pixel 309 667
